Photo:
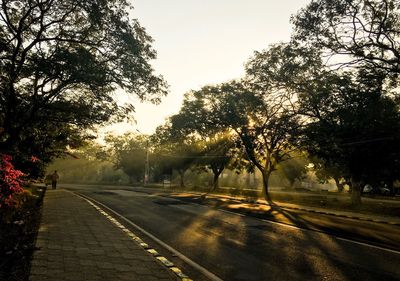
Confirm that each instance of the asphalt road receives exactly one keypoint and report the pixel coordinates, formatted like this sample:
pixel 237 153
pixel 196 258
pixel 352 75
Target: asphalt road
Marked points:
pixel 238 247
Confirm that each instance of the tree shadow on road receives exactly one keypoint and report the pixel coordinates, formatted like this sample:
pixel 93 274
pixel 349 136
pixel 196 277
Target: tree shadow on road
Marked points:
pixel 282 252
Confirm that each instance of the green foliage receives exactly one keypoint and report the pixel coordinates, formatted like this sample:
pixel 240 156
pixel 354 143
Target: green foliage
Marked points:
pixel 325 172
pixel 255 118
pixel 261 109
pixel 294 168
pixel 128 153
pixel 258 121
pixel 60 64
pixel 356 134
pixel 366 31
pixel 282 68
pixel 18 230
pixel 174 151
pixel 355 127
pixel 217 147
pixel 88 165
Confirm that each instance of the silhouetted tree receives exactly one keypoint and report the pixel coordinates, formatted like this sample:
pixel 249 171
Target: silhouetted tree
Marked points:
pixel 294 168
pixel 60 62
pixel 217 147
pixel 325 172
pixel 174 151
pixel 354 125
pixel 128 153
pixel 260 122
pixel 366 31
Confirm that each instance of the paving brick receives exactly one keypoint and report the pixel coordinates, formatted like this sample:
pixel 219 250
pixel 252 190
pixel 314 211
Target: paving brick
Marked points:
pixel 78 243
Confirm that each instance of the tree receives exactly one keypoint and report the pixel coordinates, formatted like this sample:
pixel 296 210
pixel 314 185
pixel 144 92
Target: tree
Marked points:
pixel 261 109
pixel 325 172
pixel 57 142
pixel 90 163
pixel 367 31
pixel 354 126
pixel 294 168
pixel 174 150
pixel 129 154
pixel 216 146
pixel 61 61
pixel 218 152
pixel 364 34
pixel 269 116
pixel 262 124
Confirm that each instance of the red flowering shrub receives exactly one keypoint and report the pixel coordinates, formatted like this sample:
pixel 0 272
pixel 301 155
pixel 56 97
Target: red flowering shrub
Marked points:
pixel 10 181
pixel 34 159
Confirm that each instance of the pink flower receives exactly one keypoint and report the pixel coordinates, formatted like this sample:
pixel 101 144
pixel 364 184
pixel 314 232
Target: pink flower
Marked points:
pixel 10 180
pixel 34 159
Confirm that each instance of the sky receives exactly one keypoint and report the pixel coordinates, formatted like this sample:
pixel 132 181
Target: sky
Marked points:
pixel 202 42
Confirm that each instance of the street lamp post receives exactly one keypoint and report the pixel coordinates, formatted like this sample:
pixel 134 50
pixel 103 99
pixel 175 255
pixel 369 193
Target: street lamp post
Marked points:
pixel 146 165
pixel 146 162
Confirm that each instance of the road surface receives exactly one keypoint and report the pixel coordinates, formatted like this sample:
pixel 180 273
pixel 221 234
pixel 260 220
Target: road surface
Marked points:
pixel 238 247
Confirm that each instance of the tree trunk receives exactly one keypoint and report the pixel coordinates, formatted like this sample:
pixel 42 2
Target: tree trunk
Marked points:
pixel 291 183
pixel 265 192
pixel 338 184
pixel 181 175
pixel 215 182
pixel 217 173
pixel 356 192
pixel 390 185
pixel 348 182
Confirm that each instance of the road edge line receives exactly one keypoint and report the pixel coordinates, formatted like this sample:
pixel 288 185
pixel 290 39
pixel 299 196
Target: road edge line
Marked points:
pixel 190 262
pixel 318 231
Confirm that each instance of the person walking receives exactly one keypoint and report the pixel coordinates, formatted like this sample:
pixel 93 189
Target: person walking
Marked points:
pixel 54 179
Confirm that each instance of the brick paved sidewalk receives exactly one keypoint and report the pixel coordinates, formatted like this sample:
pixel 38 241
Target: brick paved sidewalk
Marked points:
pixel 78 243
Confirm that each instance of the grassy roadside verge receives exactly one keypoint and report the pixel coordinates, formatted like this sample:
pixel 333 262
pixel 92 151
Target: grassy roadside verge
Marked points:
pixel 18 231
pixel 338 201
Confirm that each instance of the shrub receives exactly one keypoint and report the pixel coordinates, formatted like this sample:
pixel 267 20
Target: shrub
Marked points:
pixel 10 181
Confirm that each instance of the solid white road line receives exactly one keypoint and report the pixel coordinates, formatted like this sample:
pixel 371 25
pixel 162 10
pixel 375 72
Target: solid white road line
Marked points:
pixel 195 265
pixel 310 230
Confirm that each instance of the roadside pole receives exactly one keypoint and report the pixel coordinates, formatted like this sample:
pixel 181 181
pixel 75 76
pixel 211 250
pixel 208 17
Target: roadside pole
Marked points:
pixel 146 165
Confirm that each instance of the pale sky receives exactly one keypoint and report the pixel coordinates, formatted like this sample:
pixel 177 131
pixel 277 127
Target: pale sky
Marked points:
pixel 202 42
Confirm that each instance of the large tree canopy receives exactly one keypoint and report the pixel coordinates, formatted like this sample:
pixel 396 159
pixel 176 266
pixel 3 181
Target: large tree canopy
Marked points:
pixel 174 150
pixel 366 30
pixel 353 128
pixel 61 61
pixel 196 121
pixel 356 132
pixel 128 153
